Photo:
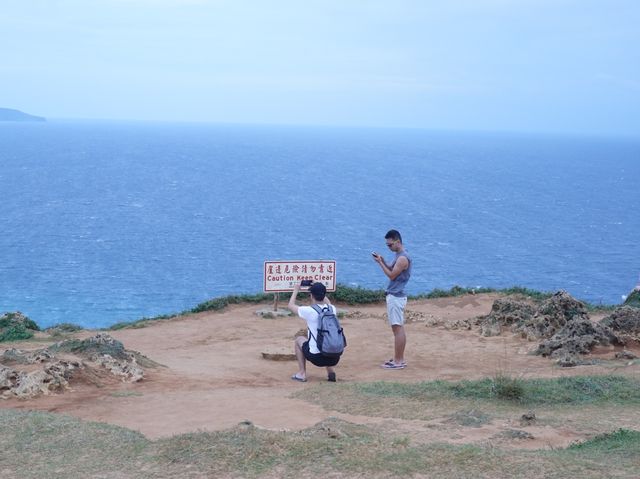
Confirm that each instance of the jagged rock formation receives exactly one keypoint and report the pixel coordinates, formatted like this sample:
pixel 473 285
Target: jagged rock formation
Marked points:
pixel 97 352
pixel 561 321
pixel 530 320
pixel 578 336
pixel 505 312
pixel 553 315
pixel 625 321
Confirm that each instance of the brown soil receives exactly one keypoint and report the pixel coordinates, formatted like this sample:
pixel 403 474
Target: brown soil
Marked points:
pixel 215 376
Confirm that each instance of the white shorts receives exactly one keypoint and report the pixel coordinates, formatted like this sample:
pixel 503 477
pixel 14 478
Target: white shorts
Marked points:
pixel 395 309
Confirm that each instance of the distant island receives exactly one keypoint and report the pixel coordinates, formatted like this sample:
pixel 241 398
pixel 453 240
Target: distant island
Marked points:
pixel 7 114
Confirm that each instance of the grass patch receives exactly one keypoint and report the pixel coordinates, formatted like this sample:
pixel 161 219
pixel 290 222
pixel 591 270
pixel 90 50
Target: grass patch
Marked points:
pixel 37 445
pixel 425 400
pixel 125 394
pixel 619 440
pixel 552 391
pixel 461 291
pixel 65 328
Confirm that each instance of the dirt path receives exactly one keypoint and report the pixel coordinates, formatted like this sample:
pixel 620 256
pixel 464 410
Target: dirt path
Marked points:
pixel 215 377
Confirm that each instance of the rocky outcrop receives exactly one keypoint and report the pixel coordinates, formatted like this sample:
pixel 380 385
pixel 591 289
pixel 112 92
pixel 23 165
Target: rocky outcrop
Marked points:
pixel 127 369
pixel 18 356
pixel 625 321
pixel 552 315
pixel 530 320
pixel 505 313
pixel 52 378
pixel 561 322
pixel 61 362
pixel 578 336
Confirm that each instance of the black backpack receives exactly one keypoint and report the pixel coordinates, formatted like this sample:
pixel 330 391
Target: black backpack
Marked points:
pixel 330 336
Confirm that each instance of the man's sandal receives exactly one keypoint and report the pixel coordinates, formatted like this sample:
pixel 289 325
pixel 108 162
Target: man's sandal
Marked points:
pixel 392 362
pixel 392 365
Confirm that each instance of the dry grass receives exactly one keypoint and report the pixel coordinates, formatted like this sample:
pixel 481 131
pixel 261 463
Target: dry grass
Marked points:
pixel 36 445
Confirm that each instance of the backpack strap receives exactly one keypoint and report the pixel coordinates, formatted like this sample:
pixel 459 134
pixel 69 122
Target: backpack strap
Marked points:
pixel 318 310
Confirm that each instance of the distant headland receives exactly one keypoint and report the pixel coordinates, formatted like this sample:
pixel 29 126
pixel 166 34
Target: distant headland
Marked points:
pixel 7 114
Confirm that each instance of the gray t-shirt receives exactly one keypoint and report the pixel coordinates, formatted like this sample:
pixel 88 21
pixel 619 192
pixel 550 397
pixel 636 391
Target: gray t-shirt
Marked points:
pixel 396 286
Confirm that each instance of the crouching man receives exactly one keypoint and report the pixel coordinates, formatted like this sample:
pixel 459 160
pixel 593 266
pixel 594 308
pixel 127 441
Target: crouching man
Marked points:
pixel 307 348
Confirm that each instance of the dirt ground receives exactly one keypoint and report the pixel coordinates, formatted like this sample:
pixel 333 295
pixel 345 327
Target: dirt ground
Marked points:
pixel 214 375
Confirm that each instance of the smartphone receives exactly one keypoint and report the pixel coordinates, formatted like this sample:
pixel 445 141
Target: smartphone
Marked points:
pixel 374 254
pixel 306 282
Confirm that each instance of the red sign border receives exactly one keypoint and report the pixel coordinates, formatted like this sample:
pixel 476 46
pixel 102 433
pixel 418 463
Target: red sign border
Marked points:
pixel 264 273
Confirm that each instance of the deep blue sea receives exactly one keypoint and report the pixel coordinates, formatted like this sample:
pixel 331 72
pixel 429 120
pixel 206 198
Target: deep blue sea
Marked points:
pixel 112 221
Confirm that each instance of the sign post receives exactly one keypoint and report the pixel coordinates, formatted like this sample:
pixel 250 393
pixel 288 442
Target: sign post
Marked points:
pixel 282 276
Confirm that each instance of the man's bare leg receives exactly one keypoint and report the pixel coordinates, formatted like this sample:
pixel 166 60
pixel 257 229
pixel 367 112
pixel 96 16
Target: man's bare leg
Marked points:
pixel 399 343
pixel 302 368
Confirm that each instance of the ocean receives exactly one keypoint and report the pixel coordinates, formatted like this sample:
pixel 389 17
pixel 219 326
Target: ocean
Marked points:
pixel 114 221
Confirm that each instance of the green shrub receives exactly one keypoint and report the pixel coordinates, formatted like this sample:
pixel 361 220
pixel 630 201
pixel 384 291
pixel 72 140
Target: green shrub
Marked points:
pixel 15 332
pixel 508 388
pixel 633 299
pixel 222 302
pixel 65 328
pixel 358 295
pixel 9 319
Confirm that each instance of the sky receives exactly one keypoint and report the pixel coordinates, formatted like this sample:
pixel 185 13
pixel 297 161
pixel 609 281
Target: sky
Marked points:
pixel 521 65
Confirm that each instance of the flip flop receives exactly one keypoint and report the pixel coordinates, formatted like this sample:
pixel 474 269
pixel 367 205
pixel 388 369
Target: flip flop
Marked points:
pixel 300 380
pixel 331 377
pixel 393 365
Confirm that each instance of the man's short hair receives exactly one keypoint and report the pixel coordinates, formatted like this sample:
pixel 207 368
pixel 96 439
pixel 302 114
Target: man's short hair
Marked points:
pixel 318 291
pixel 393 235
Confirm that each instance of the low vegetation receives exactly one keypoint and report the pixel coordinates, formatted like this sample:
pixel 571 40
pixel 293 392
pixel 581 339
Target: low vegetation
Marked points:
pixel 38 444
pixel 633 299
pixel 217 304
pixel 344 294
pixel 502 388
pixel 461 291
pixel 65 328
pixel 16 326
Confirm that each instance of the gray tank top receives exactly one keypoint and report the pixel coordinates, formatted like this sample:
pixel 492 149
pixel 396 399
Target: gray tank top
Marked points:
pixel 396 286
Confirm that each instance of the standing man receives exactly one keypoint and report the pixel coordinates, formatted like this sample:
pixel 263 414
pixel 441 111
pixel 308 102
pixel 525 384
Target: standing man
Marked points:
pixel 398 272
pixel 307 348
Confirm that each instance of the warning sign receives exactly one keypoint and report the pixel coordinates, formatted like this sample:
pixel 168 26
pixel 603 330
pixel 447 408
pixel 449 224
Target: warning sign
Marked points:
pixel 281 276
